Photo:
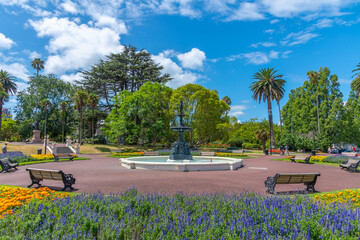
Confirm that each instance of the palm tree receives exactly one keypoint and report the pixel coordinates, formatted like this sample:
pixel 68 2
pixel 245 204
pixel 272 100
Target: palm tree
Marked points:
pixel 46 104
pixel 63 106
pixel 314 79
pixel 357 70
pixel 355 84
pixel 8 87
pixel 278 98
pixel 80 98
pixel 37 64
pixel 93 102
pixel 268 85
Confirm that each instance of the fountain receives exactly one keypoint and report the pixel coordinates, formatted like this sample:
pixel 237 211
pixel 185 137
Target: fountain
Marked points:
pixel 181 158
pixel 181 149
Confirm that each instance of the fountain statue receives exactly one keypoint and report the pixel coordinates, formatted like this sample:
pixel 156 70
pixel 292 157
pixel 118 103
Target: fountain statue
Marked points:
pixel 181 149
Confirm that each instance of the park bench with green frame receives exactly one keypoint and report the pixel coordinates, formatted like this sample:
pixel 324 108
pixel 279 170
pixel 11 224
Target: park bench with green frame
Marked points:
pixel 6 165
pixel 301 157
pixel 207 153
pixel 63 153
pixel 309 179
pixel 37 175
pixel 351 165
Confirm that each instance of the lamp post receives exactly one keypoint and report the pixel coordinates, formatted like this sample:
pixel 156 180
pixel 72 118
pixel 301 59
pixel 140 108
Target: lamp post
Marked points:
pixel 314 151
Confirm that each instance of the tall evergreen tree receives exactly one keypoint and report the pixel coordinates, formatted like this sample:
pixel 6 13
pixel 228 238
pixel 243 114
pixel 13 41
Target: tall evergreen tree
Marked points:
pixel 127 70
pixel 93 102
pixel 267 86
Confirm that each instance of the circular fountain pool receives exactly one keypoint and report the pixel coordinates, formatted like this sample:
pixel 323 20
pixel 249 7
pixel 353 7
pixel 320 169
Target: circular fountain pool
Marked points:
pixel 197 164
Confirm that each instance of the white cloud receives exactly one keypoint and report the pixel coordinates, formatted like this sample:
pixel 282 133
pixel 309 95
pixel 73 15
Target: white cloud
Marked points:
pixel 5 43
pixel 237 110
pixel 324 23
pixel 72 46
pixel 256 58
pixel 293 8
pixel 113 23
pixel 71 77
pixel 193 59
pixel 32 55
pixel 270 31
pixel 298 38
pixel 274 21
pixel 69 6
pixel 247 11
pixel 16 69
pixel 179 75
pixel 264 44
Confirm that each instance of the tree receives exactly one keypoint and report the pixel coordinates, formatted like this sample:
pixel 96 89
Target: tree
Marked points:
pixel 203 110
pixel 142 116
pixel 9 86
pixel 269 84
pixel 300 113
pixel 56 91
pixel 127 70
pixel 63 108
pixel 46 104
pixel 314 79
pixel 80 99
pixel 278 98
pixel 262 134
pixel 227 100
pixel 37 64
pixel 93 102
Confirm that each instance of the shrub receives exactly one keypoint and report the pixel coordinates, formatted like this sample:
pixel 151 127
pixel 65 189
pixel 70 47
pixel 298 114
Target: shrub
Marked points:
pixel 214 145
pixel 251 146
pixel 220 154
pixel 128 154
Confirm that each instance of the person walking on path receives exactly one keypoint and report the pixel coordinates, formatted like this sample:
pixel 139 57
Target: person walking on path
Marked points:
pixel 287 150
pixel 4 148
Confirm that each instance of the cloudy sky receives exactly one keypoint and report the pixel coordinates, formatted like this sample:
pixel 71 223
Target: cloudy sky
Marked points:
pixel 219 44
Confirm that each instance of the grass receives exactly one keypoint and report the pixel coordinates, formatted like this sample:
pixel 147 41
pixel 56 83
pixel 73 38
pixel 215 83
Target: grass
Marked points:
pixel 302 161
pixel 51 160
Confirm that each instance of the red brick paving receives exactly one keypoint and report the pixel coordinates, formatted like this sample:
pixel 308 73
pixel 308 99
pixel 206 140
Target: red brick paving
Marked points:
pixel 105 175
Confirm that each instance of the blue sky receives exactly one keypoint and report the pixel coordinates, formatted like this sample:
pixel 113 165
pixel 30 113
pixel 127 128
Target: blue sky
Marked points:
pixel 219 44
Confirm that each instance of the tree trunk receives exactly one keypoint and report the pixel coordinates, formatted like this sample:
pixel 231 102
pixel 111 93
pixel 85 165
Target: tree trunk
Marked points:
pixel 45 131
pixel 317 106
pixel 92 126
pixel 263 146
pixel 63 128
pixel 1 108
pixel 280 118
pixel 272 138
pixel 80 127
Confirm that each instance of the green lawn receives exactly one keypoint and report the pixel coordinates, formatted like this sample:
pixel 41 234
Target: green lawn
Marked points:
pixel 302 161
pixel 51 160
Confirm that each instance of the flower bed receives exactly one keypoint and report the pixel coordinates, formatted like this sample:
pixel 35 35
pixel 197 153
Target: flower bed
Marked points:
pixel 128 154
pixel 277 151
pixel 17 157
pixel 11 198
pixel 318 158
pixel 155 216
pixel 42 156
pixel 345 196
pixel 220 154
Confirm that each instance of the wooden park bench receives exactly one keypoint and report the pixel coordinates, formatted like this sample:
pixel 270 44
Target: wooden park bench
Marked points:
pixel 153 153
pixel 38 175
pixel 119 150
pixel 6 165
pixel 309 179
pixel 63 153
pixel 207 154
pixel 351 165
pixel 301 157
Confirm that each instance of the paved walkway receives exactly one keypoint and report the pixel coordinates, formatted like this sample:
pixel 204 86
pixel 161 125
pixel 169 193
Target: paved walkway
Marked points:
pixel 105 175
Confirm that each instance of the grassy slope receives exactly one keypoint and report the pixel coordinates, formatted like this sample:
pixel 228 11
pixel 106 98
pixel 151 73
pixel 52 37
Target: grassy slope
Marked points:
pixel 51 160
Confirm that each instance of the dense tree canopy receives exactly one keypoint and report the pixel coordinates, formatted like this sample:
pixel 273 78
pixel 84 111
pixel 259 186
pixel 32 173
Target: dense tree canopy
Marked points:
pixel 127 70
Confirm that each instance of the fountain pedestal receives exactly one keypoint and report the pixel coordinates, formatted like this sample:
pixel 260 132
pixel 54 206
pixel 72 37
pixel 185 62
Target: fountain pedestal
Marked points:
pixel 181 149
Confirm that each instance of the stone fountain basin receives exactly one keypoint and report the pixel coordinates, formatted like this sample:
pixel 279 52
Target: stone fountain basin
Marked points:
pixel 197 164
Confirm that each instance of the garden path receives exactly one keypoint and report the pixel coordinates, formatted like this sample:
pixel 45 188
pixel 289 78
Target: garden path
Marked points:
pixel 105 175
